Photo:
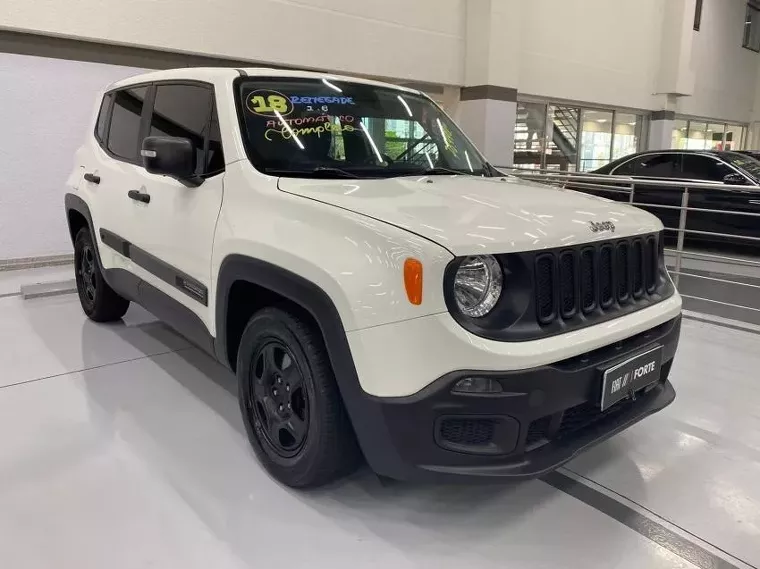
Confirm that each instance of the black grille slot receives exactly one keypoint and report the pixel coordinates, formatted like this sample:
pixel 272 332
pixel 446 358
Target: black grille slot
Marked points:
pixel 651 264
pixel 606 296
pixel 622 272
pixel 545 309
pixel 470 432
pixel 538 430
pixel 588 281
pixel 637 268
pixel 567 280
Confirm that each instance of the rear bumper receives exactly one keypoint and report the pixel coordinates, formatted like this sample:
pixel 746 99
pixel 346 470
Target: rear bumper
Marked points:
pixel 543 418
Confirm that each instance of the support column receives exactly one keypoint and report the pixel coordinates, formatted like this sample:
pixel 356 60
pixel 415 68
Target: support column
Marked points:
pixel 488 102
pixel 488 113
pixel 661 125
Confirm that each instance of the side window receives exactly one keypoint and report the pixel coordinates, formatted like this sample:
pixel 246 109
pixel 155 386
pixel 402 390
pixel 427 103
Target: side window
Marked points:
pixel 125 122
pixel 626 169
pixel 698 167
pixel 100 127
pixel 653 166
pixel 187 111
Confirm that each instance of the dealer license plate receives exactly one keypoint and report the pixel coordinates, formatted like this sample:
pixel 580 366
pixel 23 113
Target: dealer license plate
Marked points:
pixel 630 376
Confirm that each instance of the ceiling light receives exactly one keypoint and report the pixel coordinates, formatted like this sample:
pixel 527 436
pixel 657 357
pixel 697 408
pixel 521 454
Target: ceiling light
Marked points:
pixel 601 120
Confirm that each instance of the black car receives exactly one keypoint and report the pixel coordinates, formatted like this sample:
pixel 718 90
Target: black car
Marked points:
pixel 727 168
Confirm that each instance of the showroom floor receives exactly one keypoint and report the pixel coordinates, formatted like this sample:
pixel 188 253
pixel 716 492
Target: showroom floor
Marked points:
pixel 121 447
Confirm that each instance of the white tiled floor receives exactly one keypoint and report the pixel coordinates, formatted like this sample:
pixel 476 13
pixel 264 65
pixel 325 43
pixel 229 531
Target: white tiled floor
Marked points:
pixel 130 453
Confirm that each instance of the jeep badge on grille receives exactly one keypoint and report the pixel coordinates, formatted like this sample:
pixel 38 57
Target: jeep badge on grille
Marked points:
pixel 597 226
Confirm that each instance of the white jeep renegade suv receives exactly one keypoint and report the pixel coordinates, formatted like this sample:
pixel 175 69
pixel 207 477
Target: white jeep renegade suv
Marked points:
pixel 379 289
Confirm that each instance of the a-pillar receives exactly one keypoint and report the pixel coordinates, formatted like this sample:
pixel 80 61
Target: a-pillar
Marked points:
pixel 487 106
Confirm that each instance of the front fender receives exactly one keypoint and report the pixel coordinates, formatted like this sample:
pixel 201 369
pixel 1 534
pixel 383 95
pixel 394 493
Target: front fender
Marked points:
pixel 358 262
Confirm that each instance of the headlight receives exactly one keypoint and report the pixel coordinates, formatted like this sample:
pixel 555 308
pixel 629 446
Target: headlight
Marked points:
pixel 477 285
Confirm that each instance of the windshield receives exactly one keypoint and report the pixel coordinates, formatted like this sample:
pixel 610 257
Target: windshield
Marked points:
pixel 331 128
pixel 746 163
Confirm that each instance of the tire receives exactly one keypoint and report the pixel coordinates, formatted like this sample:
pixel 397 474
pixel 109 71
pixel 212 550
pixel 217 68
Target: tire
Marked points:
pixel 289 399
pixel 99 301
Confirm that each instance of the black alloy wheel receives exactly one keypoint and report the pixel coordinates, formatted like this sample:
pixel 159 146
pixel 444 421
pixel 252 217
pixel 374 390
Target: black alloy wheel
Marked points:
pixel 290 402
pixel 99 301
pixel 280 401
pixel 87 269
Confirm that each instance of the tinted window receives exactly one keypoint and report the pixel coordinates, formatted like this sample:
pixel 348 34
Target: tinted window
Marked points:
pixel 125 122
pixel 697 167
pixel 651 166
pixel 748 164
pixel 186 111
pixel 100 128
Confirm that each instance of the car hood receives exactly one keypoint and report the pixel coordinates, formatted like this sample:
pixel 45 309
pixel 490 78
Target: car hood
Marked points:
pixel 468 214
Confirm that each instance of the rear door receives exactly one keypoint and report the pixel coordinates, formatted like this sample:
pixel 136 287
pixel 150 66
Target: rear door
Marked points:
pixel 173 235
pixel 659 200
pixel 113 169
pixel 711 169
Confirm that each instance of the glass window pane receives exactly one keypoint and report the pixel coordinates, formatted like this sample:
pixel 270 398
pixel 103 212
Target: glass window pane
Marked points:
pixel 100 129
pixel 658 166
pixel 125 122
pixel 734 135
pixel 752 29
pixel 562 138
pixel 529 134
pixel 696 136
pixel 679 134
pixel 183 111
pixel 627 135
pixel 596 139
pixel 696 167
pixel 714 137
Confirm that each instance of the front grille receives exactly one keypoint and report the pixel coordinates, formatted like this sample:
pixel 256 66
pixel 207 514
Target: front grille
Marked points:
pixel 590 278
pixel 470 432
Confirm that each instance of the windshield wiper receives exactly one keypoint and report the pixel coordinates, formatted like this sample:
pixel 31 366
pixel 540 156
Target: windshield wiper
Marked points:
pixel 442 170
pixel 318 170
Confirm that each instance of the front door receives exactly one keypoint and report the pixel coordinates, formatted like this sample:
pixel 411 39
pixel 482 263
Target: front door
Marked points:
pixel 173 234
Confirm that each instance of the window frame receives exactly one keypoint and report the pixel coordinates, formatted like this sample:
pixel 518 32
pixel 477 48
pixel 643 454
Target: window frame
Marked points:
pixel 645 155
pixel 148 101
pixel 755 6
pixel 147 114
pixel 213 111
pixel 104 108
pixel 698 15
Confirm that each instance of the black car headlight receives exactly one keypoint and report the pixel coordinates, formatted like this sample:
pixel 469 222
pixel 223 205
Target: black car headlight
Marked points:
pixel 477 285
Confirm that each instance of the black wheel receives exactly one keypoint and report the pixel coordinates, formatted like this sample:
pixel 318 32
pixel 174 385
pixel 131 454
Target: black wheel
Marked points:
pixel 291 406
pixel 99 301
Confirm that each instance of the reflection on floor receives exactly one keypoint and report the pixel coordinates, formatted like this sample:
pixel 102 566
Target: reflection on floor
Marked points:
pixel 121 447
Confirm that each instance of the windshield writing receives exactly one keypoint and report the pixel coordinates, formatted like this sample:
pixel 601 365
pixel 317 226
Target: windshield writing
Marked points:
pixel 301 126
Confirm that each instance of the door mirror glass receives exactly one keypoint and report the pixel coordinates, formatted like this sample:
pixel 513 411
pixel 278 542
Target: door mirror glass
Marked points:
pixel 734 179
pixel 170 156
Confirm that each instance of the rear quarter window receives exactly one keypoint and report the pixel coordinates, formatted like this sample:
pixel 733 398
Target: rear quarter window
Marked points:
pixel 103 116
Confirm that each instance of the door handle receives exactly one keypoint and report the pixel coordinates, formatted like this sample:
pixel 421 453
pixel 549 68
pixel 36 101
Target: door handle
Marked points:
pixel 90 177
pixel 139 196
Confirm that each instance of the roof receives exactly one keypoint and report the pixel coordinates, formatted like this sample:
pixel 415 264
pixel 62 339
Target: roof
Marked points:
pixel 221 74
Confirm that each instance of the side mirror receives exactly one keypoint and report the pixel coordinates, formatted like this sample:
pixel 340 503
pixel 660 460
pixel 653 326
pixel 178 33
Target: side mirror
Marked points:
pixel 734 179
pixel 171 156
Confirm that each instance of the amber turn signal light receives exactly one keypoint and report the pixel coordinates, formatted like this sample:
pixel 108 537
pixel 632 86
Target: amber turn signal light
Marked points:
pixel 413 280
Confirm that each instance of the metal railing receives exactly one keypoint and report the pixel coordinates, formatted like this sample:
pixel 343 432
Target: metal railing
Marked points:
pixel 629 186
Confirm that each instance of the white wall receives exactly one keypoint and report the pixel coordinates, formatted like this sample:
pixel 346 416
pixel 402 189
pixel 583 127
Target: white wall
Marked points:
pixel 604 51
pixel 420 40
pixel 45 111
pixel 725 72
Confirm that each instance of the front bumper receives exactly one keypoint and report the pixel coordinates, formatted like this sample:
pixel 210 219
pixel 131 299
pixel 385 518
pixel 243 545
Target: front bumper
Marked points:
pixel 543 418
